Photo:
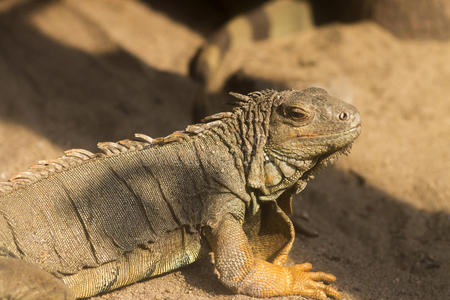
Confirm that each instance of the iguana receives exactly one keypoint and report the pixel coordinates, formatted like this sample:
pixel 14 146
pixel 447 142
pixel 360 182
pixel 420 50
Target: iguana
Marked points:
pixel 271 20
pixel 87 223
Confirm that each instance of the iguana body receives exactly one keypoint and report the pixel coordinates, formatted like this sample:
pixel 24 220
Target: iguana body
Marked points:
pixel 143 208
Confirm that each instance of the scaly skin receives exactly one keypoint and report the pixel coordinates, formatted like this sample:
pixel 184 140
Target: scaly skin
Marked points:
pixel 101 221
pixel 239 270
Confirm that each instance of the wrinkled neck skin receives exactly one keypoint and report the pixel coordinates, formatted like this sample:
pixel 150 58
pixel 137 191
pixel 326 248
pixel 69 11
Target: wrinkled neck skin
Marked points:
pixel 269 172
pixel 281 173
pixel 277 171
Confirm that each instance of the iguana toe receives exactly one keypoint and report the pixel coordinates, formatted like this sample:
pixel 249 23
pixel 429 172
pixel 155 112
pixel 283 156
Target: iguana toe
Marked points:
pixel 310 284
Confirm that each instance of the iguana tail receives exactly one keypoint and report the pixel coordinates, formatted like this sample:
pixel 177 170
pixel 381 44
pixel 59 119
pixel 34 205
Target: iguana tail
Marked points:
pixel 271 20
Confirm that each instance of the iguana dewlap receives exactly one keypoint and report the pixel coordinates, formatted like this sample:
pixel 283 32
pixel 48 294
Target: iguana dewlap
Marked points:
pixel 96 222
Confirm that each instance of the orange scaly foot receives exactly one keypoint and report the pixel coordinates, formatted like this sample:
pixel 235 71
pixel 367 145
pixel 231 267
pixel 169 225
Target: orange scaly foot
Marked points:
pixel 238 269
pixel 308 283
pixel 267 280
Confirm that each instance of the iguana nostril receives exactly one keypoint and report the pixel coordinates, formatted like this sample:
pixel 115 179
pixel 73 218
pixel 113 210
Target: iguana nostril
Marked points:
pixel 343 116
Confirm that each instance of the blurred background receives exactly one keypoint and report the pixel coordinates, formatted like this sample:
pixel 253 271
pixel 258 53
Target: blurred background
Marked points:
pixel 75 72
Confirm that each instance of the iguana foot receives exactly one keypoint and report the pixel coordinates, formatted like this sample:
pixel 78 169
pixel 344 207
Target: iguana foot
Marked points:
pixel 238 268
pixel 267 280
pixel 309 283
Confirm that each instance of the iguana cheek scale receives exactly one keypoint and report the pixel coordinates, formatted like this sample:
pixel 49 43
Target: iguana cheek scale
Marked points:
pixel 87 223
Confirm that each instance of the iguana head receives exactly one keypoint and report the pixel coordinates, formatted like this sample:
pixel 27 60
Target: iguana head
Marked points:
pixel 291 134
pixel 311 125
pixel 296 131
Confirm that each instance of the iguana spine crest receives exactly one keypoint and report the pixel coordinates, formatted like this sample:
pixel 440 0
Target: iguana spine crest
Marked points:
pixel 246 110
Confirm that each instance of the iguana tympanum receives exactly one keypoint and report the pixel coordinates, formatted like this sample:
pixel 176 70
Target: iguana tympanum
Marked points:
pixel 96 222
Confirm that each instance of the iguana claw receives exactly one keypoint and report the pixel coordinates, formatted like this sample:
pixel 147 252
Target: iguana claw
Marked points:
pixel 308 283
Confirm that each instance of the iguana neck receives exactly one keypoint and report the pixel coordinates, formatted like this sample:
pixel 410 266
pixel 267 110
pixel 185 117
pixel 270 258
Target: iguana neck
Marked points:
pixel 281 173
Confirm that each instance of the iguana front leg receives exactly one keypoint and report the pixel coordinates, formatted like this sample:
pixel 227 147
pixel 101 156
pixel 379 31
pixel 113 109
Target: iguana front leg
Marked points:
pixel 240 271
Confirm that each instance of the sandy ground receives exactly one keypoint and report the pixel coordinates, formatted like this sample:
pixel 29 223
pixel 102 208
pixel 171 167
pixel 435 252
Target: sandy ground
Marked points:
pixel 76 72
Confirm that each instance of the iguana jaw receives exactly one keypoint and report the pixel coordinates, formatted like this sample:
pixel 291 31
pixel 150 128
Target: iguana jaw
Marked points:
pixel 325 160
pixel 332 144
pixel 303 168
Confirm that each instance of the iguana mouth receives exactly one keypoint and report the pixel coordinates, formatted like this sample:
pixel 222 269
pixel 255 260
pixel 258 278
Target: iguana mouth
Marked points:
pixel 313 136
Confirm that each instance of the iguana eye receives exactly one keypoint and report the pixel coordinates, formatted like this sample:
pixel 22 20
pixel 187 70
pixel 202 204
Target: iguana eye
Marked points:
pixel 295 113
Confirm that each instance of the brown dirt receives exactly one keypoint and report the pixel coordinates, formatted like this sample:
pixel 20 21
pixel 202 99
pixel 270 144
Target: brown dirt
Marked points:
pixel 76 72
pixel 416 18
